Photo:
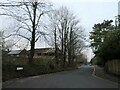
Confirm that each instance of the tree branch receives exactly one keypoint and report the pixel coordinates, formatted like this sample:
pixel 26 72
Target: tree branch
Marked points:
pixel 28 12
pixel 40 34
pixel 18 35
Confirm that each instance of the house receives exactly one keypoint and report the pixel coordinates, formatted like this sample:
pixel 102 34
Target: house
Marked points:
pixel 18 53
pixel 44 53
pixel 40 53
pixel 81 59
pixel 4 53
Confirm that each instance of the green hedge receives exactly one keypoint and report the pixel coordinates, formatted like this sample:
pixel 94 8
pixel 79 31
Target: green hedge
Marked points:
pixel 9 66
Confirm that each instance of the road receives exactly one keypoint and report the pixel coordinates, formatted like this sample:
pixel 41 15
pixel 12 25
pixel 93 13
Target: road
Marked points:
pixel 79 78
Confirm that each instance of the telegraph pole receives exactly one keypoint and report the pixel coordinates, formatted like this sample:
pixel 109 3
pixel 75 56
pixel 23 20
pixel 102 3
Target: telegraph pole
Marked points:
pixel 119 14
pixel 116 22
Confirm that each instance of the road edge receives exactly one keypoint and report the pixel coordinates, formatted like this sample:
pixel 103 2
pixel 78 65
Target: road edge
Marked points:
pixel 94 75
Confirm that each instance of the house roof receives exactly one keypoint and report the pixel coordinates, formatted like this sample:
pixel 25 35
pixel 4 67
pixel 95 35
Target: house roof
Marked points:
pixel 52 50
pixel 43 50
pixel 13 52
pixel 46 50
pixel 5 52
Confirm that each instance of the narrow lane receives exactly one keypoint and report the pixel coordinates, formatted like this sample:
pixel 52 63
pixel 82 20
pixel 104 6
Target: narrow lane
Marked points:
pixel 79 78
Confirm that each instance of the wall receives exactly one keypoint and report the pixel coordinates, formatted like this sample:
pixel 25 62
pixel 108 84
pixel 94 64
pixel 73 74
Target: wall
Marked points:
pixel 113 66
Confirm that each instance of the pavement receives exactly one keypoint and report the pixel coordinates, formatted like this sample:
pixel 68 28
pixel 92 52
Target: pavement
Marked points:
pixel 82 77
pixel 100 72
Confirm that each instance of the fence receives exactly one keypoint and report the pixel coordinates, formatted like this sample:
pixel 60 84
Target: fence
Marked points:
pixel 113 66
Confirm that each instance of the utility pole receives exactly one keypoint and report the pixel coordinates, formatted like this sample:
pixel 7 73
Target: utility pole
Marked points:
pixel 1 40
pixel 118 14
pixel 116 22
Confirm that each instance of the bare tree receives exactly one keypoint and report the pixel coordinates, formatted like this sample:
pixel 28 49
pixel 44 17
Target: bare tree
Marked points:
pixel 65 28
pixel 29 16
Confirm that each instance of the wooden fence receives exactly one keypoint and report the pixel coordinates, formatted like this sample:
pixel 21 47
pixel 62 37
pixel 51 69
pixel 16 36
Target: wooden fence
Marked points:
pixel 113 66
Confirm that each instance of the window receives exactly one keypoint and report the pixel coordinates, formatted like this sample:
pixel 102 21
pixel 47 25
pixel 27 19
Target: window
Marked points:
pixel 51 54
pixel 17 55
pixel 45 54
pixel 39 54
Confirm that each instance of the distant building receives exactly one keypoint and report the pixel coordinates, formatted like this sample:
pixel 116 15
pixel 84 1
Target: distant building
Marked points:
pixel 5 53
pixel 18 53
pixel 81 59
pixel 40 53
pixel 45 52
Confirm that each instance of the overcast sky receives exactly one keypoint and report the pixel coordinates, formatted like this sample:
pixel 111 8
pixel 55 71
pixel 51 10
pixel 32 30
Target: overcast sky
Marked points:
pixel 89 12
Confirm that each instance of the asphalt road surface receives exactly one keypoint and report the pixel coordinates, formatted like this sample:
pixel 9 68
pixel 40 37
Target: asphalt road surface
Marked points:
pixel 79 78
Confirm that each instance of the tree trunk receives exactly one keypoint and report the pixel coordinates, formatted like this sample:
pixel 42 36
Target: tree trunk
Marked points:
pixel 62 45
pixel 31 55
pixel 56 49
pixel 70 47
